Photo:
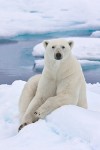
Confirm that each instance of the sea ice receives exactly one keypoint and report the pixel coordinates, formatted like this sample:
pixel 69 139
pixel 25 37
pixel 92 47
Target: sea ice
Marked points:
pixel 41 16
pixel 68 127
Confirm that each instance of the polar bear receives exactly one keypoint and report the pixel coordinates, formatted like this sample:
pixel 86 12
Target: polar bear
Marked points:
pixel 62 83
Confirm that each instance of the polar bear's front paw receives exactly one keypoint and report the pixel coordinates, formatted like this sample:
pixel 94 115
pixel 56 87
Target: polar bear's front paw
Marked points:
pixel 40 113
pixel 21 126
pixel 37 114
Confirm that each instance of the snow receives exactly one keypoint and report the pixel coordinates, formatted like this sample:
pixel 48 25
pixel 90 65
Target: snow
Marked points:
pixel 9 95
pixel 85 49
pixel 68 127
pixel 39 64
pixel 41 16
pixel 96 34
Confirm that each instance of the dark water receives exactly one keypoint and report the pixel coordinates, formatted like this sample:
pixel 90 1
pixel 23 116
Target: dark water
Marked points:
pixel 16 60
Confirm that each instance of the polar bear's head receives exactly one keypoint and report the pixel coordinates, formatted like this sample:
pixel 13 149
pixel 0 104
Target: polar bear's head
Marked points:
pixel 58 49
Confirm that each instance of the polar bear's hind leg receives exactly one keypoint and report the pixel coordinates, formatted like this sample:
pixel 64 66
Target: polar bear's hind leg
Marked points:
pixel 82 102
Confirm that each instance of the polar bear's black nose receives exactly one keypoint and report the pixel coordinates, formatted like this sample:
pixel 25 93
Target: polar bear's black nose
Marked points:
pixel 58 56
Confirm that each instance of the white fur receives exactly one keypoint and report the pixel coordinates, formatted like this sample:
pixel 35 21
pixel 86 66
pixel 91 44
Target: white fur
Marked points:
pixel 61 83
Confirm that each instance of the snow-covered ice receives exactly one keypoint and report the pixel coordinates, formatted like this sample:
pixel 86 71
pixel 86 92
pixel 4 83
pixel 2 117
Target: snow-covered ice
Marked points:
pixel 41 16
pixel 68 127
pixel 96 34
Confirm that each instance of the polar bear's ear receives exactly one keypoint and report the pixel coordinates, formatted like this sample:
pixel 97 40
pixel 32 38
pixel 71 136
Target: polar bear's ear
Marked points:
pixel 45 43
pixel 71 43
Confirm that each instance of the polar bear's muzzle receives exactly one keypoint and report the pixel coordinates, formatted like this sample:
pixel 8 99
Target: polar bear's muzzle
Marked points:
pixel 58 56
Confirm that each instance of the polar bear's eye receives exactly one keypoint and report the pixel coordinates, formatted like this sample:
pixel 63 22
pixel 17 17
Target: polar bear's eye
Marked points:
pixel 62 47
pixel 53 47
